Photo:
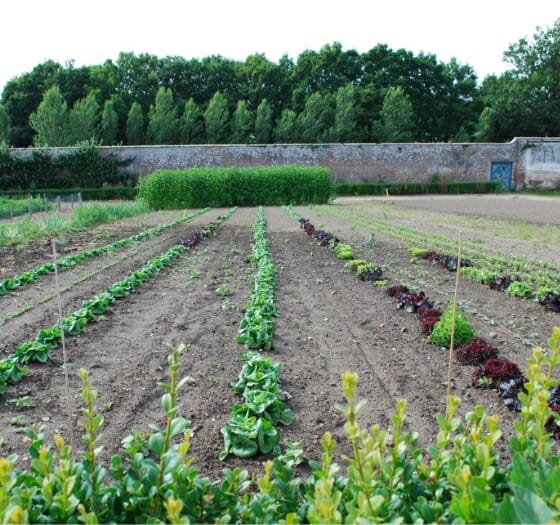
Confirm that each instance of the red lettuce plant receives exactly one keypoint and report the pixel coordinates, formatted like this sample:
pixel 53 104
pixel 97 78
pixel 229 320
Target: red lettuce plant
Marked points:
pixel 477 352
pixel 396 289
pixel 495 371
pixel 428 324
pixel 424 312
pixel 551 301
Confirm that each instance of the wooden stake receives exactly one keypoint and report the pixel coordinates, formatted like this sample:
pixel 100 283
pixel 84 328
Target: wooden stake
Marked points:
pixel 63 342
pixel 453 315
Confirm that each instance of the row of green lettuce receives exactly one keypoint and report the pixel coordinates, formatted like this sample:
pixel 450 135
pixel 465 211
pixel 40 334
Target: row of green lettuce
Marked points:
pixel 253 425
pixel 37 350
pixel 30 276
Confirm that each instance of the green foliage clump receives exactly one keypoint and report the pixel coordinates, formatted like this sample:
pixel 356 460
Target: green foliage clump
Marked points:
pixel 520 289
pixel 14 207
pixel 80 166
pixel 417 252
pixel 441 334
pixel 355 263
pixel 343 251
pixel 479 275
pixel 219 187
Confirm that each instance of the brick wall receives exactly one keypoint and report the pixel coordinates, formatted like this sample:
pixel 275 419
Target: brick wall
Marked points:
pixel 535 161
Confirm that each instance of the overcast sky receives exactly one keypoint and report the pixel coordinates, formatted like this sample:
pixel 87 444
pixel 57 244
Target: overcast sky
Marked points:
pixel 475 32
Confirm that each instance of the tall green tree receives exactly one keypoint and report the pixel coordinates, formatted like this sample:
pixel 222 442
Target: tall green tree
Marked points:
pixel 163 121
pixel 137 78
pixel 508 109
pixel 21 97
pixel 109 124
pixel 286 131
pixel 192 124
pixel 316 119
pixel 242 124
pixel 345 115
pixel 536 63
pixel 50 121
pixel 263 123
pixel 83 121
pixel 217 120
pixel 397 117
pixel 4 126
pixel 135 125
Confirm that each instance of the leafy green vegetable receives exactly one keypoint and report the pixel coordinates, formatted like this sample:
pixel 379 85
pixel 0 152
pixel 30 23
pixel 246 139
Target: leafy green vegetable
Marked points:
pixel 441 333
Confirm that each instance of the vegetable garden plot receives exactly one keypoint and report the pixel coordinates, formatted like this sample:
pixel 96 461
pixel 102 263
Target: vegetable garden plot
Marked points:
pixel 330 322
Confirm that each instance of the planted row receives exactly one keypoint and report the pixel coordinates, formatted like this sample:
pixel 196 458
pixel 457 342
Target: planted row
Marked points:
pixel 256 329
pixel 252 428
pixel 366 271
pixel 542 275
pixel 492 372
pixel 512 285
pixel 49 338
pixel 30 276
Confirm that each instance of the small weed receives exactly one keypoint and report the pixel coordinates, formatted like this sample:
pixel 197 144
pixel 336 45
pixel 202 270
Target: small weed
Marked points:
pixel 193 273
pixel 228 306
pixel 223 290
pixel 17 421
pixel 485 381
pixel 23 402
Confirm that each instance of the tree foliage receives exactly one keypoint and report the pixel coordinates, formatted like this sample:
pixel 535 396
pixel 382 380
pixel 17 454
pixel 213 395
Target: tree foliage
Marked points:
pixel 83 121
pixel 50 121
pixel 4 126
pixel 217 120
pixel 163 121
pixel 192 124
pixel 397 116
pixel 109 124
pixel 335 94
pixel 135 125
pixel 242 125
pixel 263 123
pixel 525 101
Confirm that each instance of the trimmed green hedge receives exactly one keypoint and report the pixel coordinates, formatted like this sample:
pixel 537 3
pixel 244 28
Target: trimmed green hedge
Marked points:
pixel 88 194
pixel 414 188
pixel 220 187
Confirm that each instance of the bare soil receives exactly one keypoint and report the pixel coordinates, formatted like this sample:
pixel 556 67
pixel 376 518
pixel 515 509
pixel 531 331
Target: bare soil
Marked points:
pixel 330 322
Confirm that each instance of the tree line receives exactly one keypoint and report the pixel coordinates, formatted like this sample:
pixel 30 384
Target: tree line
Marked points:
pixel 331 95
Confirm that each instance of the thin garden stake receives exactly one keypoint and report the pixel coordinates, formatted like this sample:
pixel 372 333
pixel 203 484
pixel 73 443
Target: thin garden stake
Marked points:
pixel 62 340
pixel 453 314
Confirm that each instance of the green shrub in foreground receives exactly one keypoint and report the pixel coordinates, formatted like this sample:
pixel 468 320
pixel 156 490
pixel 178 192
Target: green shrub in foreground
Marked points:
pixel 457 479
pixel 220 187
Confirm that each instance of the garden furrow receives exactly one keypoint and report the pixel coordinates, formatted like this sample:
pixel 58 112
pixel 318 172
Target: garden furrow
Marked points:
pixel 17 282
pixel 338 323
pixel 79 283
pixel 515 324
pixel 94 308
pixel 126 351
pixel 540 273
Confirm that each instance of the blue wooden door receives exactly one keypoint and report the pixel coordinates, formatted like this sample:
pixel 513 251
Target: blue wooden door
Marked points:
pixel 501 171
